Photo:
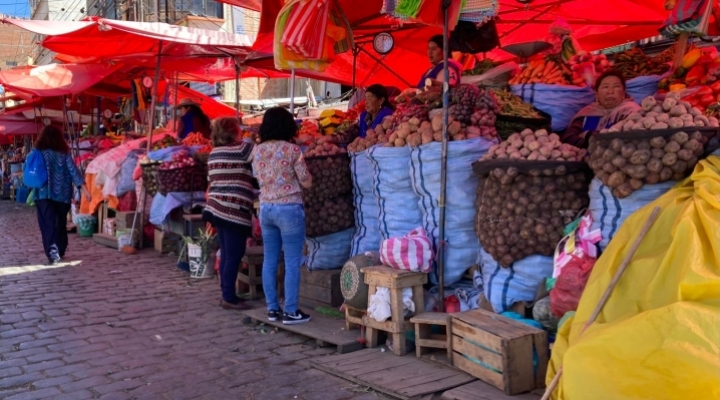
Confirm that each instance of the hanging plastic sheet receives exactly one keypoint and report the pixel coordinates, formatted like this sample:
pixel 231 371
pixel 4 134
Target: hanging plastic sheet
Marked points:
pixel 657 336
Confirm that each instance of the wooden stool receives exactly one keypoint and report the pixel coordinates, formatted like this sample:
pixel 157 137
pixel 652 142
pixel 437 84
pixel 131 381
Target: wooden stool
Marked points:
pixel 254 257
pixel 395 280
pixel 353 317
pixel 425 339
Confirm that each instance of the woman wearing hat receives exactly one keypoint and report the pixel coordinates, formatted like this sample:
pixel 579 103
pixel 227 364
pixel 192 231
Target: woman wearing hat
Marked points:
pixel 192 119
pixel 435 54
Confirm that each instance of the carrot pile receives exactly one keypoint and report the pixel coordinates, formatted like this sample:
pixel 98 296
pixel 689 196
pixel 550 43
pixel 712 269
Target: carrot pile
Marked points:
pixel 548 71
pixel 195 139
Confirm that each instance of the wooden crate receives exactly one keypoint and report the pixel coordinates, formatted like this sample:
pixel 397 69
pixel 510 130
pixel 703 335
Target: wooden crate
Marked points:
pixel 124 220
pixel 166 242
pixel 106 240
pixel 320 288
pixel 504 346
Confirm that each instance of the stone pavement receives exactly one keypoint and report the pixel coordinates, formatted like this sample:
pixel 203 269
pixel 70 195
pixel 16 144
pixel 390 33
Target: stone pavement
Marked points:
pixel 105 325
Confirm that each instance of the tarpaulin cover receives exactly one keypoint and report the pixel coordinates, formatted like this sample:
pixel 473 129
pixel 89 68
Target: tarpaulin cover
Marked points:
pixel 658 336
pixel 616 22
pixel 12 125
pixel 106 38
pixel 54 79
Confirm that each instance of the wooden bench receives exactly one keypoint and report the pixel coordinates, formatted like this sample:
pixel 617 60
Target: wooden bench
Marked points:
pixel 395 280
pixel 425 339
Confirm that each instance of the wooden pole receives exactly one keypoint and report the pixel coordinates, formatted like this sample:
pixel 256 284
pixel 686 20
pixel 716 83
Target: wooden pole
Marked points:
pixel 608 291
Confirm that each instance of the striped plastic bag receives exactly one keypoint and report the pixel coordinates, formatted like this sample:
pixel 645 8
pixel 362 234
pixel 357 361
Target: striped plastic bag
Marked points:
pixel 412 252
pixel 306 27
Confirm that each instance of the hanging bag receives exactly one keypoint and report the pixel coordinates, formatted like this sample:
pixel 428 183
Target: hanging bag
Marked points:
pixel 35 172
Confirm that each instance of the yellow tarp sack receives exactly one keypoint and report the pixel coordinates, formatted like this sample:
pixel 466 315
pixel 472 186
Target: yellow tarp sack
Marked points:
pixel 658 336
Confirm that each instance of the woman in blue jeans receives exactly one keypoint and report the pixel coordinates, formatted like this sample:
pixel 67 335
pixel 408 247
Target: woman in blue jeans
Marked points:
pixel 280 170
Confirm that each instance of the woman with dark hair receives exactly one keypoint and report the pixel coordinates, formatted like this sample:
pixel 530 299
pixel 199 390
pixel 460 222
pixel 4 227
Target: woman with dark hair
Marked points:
pixel 612 104
pixel 280 169
pixel 192 119
pixel 230 202
pixel 53 200
pixel 436 71
pixel 377 107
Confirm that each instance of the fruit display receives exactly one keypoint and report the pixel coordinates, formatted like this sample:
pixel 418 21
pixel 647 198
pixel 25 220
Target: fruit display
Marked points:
pixel 522 207
pixel 331 178
pixel 629 155
pixel 633 63
pixel 346 132
pixel 181 174
pixel 704 97
pixel 309 132
pixel 167 141
pixel 195 139
pixel 585 67
pixel 535 146
pixel 329 216
pixel 550 70
pixel 371 139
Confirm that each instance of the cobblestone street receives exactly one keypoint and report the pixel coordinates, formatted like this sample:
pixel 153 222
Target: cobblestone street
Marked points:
pixel 105 325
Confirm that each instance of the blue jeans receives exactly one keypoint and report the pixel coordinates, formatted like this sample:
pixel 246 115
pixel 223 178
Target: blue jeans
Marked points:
pixel 283 228
pixel 232 250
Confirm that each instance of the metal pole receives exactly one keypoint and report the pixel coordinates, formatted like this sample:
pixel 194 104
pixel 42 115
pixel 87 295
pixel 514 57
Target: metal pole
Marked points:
pixel 237 90
pixel 157 10
pixel 355 54
pixel 153 102
pixel 99 115
pixel 443 159
pixel 292 91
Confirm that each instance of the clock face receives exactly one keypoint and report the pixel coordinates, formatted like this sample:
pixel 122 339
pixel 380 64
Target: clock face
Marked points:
pixel 383 43
pixel 147 82
pixel 46 121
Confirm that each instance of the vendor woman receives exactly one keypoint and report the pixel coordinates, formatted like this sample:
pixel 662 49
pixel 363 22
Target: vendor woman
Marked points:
pixel 612 105
pixel 436 73
pixel 377 107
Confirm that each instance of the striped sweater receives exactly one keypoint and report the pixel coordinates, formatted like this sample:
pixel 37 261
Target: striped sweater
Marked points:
pixel 230 192
pixel 62 174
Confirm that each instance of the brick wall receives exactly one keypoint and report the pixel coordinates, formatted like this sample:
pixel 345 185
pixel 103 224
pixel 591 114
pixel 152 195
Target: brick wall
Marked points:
pixel 15 46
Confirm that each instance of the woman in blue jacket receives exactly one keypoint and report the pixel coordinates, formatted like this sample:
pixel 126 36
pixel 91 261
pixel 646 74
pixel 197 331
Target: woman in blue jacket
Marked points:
pixel 53 200
pixel 377 107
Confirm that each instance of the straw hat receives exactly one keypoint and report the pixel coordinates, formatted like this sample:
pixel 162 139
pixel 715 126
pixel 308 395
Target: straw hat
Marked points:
pixel 187 102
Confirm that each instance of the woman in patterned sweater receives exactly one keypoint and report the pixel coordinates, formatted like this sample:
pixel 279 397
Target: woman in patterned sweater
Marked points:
pixel 53 200
pixel 280 169
pixel 230 202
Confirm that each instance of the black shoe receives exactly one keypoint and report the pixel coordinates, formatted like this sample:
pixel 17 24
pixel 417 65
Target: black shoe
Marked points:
pixel 53 262
pixel 274 315
pixel 293 319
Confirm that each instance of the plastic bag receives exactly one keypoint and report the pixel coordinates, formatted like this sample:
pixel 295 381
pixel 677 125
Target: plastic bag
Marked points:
pixel 328 252
pixel 504 287
pixel 462 247
pixel 366 236
pixel 642 86
pixel 569 286
pixel 399 212
pixel 31 198
pixel 379 308
pixel 412 252
pixel 126 182
pixel 561 102
pixel 609 212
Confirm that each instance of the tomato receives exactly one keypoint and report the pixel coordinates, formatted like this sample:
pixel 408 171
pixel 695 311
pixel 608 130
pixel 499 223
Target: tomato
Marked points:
pixel 693 102
pixel 705 90
pixel 707 100
pixel 715 87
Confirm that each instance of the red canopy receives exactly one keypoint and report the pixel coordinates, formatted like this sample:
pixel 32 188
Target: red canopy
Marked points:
pixel 109 39
pixel 18 125
pixel 54 79
pixel 595 24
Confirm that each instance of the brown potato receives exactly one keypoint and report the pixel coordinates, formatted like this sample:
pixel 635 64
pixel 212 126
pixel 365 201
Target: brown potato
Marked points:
pixel 658 142
pixel 616 179
pixel 652 178
pixel 665 174
pixel 640 156
pixel 672 146
pixel 655 165
pixel 628 150
pixel 669 159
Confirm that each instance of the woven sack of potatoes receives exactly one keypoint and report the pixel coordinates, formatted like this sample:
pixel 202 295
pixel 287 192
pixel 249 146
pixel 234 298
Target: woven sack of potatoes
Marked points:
pixel 331 178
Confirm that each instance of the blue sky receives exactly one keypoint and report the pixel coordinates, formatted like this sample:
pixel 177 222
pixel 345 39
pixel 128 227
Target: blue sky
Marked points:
pixel 18 8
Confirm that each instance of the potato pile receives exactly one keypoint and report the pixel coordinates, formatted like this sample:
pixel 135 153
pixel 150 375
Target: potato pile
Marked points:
pixel 671 113
pixel 329 216
pixel 627 164
pixel 523 210
pixel 535 146
pixel 323 146
pixel 627 156
pixel 331 178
